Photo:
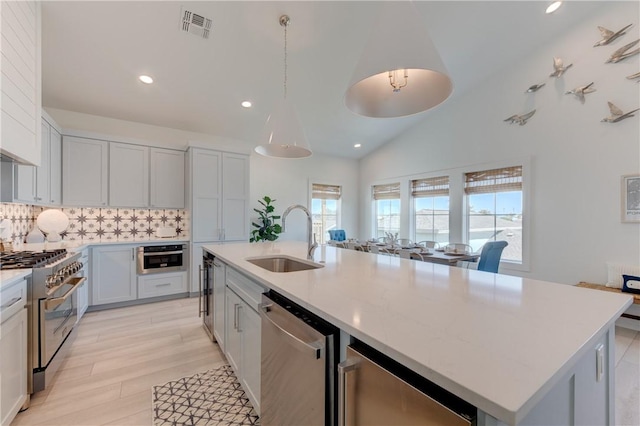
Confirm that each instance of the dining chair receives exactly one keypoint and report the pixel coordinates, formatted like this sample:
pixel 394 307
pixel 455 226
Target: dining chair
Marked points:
pixel 374 249
pixel 429 244
pixel 404 241
pixel 490 256
pixel 417 256
pixel 337 234
pixel 404 253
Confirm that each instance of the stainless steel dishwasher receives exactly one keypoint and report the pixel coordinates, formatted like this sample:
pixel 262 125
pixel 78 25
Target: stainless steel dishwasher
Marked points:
pixel 374 389
pixel 298 374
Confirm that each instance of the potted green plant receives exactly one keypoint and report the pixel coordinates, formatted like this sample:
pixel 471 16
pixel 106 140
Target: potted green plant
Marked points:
pixel 267 228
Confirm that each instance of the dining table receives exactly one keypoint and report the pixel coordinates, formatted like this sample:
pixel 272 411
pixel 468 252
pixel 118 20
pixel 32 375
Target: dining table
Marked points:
pixel 421 253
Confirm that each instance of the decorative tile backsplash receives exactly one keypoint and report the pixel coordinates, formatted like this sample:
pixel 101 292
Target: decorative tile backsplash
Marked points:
pixel 101 224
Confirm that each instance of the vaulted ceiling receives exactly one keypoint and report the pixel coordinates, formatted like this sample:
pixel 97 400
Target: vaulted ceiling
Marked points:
pixel 93 52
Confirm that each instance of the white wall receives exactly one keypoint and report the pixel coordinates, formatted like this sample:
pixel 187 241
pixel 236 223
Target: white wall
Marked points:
pixel 576 161
pixel 286 181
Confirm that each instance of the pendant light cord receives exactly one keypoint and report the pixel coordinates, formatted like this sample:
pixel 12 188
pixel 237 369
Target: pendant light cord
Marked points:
pixel 286 24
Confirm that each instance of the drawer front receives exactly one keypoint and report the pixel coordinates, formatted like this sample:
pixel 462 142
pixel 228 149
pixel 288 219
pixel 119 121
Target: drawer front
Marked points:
pixel 12 299
pixel 162 284
pixel 248 290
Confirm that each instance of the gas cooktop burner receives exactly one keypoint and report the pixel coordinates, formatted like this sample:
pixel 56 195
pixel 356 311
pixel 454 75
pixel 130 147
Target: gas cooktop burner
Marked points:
pixel 30 259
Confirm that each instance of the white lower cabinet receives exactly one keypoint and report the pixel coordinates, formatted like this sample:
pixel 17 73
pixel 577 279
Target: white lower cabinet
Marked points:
pixel 162 284
pixel 113 270
pixel 13 351
pixel 243 332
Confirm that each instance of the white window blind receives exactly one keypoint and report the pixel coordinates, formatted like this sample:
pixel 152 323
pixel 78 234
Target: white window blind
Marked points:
pixel 386 192
pixel 496 180
pixel 326 192
pixel 430 187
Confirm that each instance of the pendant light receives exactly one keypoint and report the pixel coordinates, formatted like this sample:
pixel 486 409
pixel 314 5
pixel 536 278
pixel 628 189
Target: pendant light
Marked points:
pixel 283 136
pixel 400 72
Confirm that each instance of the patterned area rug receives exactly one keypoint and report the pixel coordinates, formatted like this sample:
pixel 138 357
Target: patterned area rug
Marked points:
pixel 211 398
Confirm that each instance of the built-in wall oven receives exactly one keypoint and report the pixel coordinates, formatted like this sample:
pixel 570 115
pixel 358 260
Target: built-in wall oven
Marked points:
pixel 155 259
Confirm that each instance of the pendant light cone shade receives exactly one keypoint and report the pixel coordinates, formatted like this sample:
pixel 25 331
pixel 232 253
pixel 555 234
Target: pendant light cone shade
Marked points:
pixel 399 42
pixel 283 136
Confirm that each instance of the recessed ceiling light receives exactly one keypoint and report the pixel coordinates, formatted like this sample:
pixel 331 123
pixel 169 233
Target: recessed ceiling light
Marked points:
pixel 553 7
pixel 146 79
pixel 246 104
pixel 358 145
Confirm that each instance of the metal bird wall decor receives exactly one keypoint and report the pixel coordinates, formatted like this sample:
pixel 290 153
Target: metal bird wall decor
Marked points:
pixel 634 76
pixel 617 114
pixel 608 36
pixel 622 53
pixel 534 88
pixel 580 91
pixel 559 68
pixel 520 119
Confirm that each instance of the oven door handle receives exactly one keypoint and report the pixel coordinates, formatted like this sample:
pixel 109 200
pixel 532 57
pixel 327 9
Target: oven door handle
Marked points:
pixel 161 253
pixel 54 302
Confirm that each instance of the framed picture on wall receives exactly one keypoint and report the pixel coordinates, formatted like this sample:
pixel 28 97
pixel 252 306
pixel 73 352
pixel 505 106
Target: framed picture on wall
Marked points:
pixel 631 198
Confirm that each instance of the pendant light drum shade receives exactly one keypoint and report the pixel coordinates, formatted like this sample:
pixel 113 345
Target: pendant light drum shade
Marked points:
pixel 399 42
pixel 283 136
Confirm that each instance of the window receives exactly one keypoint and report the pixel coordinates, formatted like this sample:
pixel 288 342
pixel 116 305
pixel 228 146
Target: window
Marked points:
pixel 495 209
pixel 386 200
pixel 431 209
pixel 325 201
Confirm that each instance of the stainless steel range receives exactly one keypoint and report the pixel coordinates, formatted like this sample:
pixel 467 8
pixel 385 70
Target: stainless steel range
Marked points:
pixel 53 308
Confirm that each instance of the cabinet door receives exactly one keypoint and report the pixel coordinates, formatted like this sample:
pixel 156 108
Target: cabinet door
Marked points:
pixel 128 175
pixel 233 341
pixel 43 192
pixel 206 195
pixel 25 183
pixel 113 274
pixel 55 167
pixel 13 368
pixel 251 339
pixel 219 285
pixel 235 201
pixel 167 178
pixel 84 171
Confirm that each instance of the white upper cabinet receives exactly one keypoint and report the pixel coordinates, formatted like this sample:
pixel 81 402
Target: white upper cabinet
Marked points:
pixel 235 197
pixel 167 178
pixel 42 184
pixel 206 188
pixel 128 175
pixel 55 166
pixel 219 188
pixel 84 171
pixel 20 81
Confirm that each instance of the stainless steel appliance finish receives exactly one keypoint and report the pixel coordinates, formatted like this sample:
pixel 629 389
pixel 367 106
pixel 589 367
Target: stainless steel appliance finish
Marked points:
pixel 206 293
pixel 53 312
pixel 298 376
pixel 155 259
pixel 375 390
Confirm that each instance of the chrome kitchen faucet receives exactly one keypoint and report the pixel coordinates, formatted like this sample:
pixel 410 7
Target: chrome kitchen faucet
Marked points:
pixel 310 236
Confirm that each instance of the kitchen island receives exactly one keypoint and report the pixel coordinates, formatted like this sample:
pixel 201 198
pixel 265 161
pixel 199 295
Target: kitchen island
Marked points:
pixel 522 351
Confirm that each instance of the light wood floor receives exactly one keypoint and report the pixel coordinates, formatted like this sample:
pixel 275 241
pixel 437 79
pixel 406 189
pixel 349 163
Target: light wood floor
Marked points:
pixel 117 357
pixel 119 354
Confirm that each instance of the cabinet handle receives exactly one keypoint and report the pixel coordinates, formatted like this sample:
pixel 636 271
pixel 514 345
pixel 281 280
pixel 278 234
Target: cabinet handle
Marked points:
pixel 133 254
pixel 163 284
pixel 344 368
pixel 239 328
pixel 235 316
pixel 11 302
pixel 200 273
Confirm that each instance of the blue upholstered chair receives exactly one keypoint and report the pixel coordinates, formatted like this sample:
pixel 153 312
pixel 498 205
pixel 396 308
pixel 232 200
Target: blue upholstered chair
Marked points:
pixel 337 235
pixel 490 256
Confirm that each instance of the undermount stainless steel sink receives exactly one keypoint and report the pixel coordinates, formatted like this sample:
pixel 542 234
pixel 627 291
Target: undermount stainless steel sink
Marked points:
pixel 283 263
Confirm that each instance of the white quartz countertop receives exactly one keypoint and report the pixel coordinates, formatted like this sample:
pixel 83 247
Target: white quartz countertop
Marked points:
pixel 497 341
pixel 11 276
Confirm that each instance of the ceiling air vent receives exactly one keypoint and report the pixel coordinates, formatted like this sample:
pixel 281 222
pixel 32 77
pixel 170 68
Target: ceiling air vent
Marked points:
pixel 195 24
